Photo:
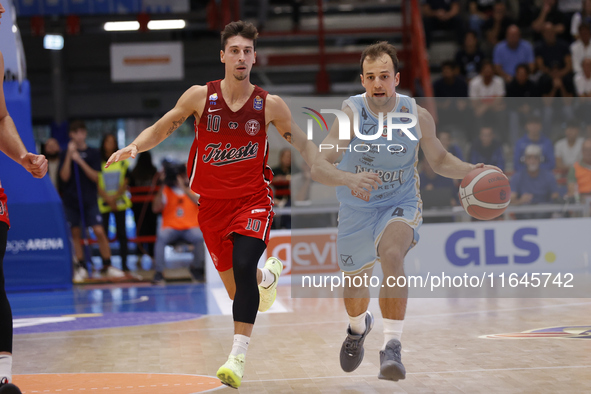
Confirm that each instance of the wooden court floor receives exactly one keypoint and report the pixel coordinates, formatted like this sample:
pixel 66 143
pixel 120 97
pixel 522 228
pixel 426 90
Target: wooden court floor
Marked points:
pixel 297 351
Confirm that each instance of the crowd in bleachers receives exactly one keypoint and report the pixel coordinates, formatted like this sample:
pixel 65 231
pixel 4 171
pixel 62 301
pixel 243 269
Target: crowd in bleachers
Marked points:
pixel 514 94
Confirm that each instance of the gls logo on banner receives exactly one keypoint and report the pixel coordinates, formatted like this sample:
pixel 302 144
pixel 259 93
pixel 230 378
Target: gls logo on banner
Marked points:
pixel 530 251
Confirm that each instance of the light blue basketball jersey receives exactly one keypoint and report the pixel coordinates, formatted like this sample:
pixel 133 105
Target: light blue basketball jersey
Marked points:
pixel 395 160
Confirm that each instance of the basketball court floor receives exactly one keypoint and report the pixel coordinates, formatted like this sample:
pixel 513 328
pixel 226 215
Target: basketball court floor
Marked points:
pixel 172 339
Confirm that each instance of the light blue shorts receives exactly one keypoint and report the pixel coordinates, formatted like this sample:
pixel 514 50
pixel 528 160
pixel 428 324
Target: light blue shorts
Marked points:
pixel 360 231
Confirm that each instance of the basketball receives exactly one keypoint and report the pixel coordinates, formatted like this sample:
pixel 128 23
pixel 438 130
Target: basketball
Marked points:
pixel 485 193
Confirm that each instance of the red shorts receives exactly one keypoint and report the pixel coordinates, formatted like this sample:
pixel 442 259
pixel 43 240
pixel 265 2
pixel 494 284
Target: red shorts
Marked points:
pixel 219 219
pixel 3 208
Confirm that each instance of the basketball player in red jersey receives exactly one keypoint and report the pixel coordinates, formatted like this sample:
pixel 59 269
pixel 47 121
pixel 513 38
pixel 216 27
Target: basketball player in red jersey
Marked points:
pixel 12 145
pixel 227 167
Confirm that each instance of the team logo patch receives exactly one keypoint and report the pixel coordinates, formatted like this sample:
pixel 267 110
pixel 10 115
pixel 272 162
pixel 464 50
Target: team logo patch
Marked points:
pixel 258 103
pixel 347 260
pixel 252 127
pixel 566 332
pixel 233 125
pixel 213 97
pixel 405 110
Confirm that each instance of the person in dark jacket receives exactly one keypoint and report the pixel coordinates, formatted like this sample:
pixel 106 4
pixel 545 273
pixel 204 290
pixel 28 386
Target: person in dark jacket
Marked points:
pixel 487 149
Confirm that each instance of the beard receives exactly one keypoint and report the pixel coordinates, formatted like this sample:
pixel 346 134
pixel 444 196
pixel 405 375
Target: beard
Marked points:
pixel 240 77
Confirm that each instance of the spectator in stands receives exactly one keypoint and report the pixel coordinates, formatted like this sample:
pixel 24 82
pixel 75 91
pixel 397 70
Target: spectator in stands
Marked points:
pixel 554 61
pixel 495 28
pixel 487 149
pixel 534 136
pixel 583 79
pixel 568 8
pixel 282 175
pixel 179 207
pixel 52 150
pixel 579 176
pixel 508 54
pixel 79 169
pixel 581 48
pixel 522 85
pixel 469 57
pixel 568 150
pixel 533 184
pixel 441 15
pixel 479 12
pixel 436 191
pixel 450 84
pixel 549 14
pixel 144 175
pixel 583 16
pixel 113 195
pixel 488 89
pixel 453 148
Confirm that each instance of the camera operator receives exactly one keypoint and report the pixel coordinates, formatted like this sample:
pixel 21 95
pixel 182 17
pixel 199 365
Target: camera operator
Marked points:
pixel 179 207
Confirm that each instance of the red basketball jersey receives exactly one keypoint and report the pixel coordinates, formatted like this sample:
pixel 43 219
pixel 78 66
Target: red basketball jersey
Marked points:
pixel 228 158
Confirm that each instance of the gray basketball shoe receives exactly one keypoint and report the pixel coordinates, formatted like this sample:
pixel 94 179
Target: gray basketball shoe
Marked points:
pixel 391 367
pixel 352 350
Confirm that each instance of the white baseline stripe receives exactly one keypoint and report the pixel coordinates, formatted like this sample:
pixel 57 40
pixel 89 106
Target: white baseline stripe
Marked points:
pixel 428 373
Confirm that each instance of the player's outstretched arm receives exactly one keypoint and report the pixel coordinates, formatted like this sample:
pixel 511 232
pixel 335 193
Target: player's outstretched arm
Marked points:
pixel 442 162
pixel 186 106
pixel 279 114
pixel 11 143
pixel 324 170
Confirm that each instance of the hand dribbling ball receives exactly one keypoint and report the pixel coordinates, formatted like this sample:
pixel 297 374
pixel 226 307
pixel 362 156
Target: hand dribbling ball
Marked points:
pixel 485 193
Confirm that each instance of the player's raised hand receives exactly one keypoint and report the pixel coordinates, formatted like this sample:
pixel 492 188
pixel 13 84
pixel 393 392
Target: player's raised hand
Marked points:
pixel 363 182
pixel 35 164
pixel 130 150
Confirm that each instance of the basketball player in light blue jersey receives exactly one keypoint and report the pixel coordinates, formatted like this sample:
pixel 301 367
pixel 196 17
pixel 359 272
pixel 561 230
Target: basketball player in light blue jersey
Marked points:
pixel 380 206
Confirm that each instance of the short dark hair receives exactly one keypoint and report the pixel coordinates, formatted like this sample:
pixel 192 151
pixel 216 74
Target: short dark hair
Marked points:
pixel 572 124
pixel 584 25
pixel 77 124
pixel 525 66
pixel 374 51
pixel 448 63
pixel 240 28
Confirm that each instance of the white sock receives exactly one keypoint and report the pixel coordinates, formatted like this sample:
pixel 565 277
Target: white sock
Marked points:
pixel 6 366
pixel 357 323
pixel 240 345
pixel 392 330
pixel 268 278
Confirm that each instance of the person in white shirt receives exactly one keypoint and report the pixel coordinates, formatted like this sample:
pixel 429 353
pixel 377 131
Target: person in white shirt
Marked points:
pixel 486 90
pixel 583 79
pixel 486 84
pixel 568 150
pixel 581 48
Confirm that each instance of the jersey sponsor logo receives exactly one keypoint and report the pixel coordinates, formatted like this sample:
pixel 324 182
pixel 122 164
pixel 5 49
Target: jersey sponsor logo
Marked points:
pixel 213 97
pixel 258 210
pixel 385 176
pixel 217 156
pixel 365 196
pixel 233 125
pixel 369 129
pixel 258 103
pixel 347 260
pixel 252 127
pixel 213 110
pixel 406 111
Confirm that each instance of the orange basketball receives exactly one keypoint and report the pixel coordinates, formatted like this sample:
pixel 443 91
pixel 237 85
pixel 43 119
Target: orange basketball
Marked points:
pixel 485 193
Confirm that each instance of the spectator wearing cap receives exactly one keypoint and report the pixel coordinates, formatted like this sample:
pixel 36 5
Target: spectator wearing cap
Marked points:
pixel 581 48
pixel 553 59
pixel 534 136
pixel 533 184
pixel 508 54
pixel 568 150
